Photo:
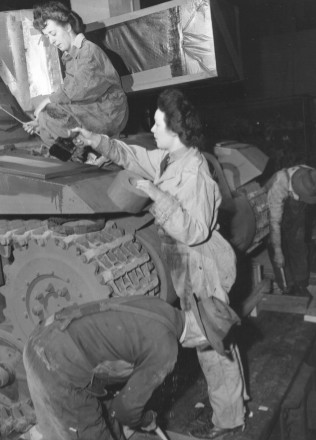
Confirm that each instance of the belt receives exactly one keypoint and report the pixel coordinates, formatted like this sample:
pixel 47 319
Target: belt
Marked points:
pixel 69 314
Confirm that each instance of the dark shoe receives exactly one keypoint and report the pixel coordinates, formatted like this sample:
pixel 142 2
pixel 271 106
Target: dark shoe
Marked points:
pixel 205 416
pixel 287 290
pixel 211 432
pixel 300 291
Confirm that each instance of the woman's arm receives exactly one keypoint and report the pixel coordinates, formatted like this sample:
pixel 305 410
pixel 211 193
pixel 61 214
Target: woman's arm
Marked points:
pixel 131 157
pixel 277 195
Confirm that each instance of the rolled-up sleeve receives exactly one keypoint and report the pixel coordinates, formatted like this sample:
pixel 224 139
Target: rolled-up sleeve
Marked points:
pixel 277 195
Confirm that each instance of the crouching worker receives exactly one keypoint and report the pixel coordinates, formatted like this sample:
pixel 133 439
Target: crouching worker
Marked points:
pixel 74 356
pixel 290 191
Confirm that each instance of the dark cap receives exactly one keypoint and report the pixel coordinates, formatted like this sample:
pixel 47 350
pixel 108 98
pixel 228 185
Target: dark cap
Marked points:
pixel 304 184
pixel 215 318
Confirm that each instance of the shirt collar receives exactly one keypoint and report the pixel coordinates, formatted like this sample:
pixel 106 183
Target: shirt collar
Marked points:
pixel 175 155
pixel 75 47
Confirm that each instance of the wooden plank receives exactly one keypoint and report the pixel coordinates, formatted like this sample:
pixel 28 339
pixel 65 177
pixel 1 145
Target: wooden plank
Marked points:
pixel 310 315
pixel 108 22
pixel 284 303
pixel 120 7
pixel 254 298
pixel 137 85
pixel 146 79
pixel 136 5
pixel 96 9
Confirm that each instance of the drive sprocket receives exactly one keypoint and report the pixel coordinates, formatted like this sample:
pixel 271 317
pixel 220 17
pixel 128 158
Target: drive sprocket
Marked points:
pixel 51 271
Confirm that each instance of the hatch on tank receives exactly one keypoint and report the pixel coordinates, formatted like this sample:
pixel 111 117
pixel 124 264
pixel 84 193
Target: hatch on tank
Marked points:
pixel 241 163
pixel 40 167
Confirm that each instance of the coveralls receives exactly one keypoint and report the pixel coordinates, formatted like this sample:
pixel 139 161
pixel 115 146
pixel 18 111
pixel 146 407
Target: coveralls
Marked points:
pixel 201 261
pixel 68 367
pixel 90 97
pixel 287 229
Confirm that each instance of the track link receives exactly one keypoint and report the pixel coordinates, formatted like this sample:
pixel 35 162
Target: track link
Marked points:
pixel 51 270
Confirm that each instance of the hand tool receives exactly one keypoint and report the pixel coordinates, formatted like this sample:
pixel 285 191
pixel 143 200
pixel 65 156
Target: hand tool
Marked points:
pixel 283 278
pixel 159 432
pixel 17 119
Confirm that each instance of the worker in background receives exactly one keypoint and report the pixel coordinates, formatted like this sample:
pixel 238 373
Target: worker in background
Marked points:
pixel 186 201
pixel 78 355
pixel 91 95
pixel 289 192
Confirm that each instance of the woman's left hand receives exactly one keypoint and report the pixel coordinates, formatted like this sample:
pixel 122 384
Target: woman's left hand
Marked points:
pixel 149 188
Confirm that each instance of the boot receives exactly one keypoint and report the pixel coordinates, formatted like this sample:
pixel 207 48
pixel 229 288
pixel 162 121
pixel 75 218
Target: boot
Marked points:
pixel 299 290
pixel 211 432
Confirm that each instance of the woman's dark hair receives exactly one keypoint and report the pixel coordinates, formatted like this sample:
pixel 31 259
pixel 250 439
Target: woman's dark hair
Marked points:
pixel 58 12
pixel 181 117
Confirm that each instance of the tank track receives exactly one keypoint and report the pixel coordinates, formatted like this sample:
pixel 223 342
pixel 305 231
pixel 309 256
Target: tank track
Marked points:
pixel 51 270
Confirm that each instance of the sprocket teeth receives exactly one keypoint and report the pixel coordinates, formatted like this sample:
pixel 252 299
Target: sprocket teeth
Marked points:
pixel 60 263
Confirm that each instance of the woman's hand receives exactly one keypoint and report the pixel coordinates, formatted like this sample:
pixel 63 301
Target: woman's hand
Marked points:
pixel 41 107
pixel 279 259
pixel 149 188
pixel 85 138
pixel 31 127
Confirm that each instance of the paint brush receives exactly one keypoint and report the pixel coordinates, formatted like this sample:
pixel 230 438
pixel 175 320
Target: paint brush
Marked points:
pixel 12 116
pixel 17 119
pixel 159 432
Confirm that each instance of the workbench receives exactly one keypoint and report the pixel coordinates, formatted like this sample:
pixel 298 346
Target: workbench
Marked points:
pixel 275 349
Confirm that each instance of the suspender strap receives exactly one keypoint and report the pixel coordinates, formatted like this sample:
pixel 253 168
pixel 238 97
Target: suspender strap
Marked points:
pixel 69 314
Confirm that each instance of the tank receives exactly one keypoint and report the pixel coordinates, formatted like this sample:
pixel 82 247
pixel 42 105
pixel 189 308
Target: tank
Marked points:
pixel 63 240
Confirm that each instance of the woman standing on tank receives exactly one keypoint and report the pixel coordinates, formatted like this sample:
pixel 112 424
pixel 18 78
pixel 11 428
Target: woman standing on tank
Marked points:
pixel 91 95
pixel 186 201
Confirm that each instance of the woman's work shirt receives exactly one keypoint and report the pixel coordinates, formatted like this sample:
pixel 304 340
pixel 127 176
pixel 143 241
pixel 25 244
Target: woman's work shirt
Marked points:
pixel 92 89
pixel 201 261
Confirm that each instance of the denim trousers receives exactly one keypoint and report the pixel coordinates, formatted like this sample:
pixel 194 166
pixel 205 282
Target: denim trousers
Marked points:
pixel 294 246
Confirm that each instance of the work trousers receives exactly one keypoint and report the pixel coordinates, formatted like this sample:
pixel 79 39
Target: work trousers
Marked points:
pixel 58 378
pixel 210 272
pixel 294 247
pixel 226 386
pixel 54 122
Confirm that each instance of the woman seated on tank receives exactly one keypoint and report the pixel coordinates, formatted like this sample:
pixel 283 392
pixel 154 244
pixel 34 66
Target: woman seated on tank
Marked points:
pixel 91 95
